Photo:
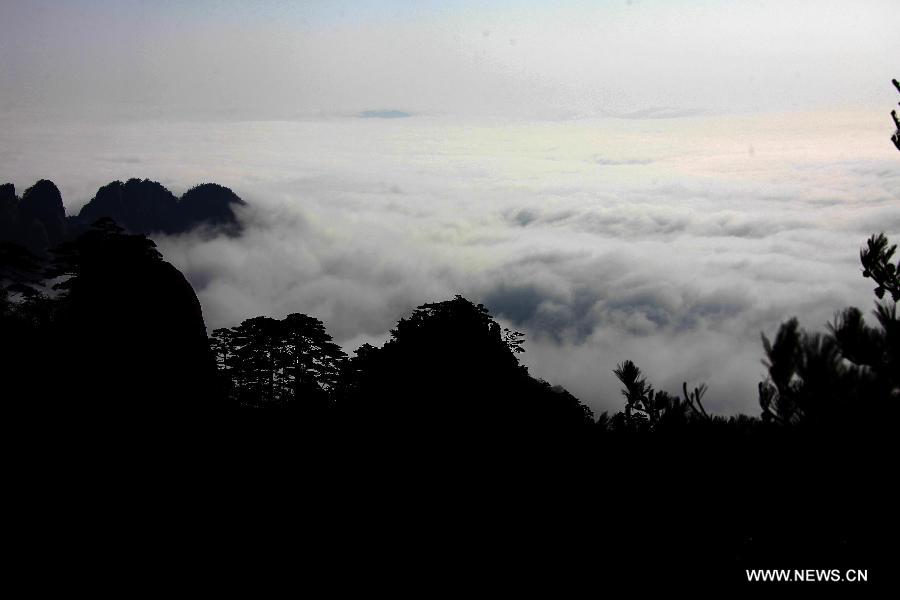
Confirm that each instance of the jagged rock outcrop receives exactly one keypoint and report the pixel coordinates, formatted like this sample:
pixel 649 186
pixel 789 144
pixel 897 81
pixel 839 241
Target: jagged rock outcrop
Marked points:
pixel 38 220
pixel 144 206
pixel 209 205
pixel 41 210
pixel 9 211
pixel 138 206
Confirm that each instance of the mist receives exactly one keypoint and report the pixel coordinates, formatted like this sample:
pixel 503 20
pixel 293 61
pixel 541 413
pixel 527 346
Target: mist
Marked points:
pixel 642 180
pixel 673 242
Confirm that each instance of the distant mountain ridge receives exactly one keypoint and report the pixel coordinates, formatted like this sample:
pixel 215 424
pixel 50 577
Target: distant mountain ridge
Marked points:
pixel 384 114
pixel 145 206
pixel 38 220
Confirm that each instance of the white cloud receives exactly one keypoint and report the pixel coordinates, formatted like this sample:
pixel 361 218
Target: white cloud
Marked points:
pixel 674 249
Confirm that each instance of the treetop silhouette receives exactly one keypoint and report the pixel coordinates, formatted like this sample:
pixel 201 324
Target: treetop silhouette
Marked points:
pixel 292 362
pixel 896 137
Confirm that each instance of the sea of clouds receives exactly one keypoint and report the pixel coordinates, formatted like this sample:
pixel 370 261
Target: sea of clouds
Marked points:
pixel 670 241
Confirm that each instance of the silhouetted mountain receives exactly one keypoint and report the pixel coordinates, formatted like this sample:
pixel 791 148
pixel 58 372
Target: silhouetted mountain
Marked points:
pixel 138 206
pixel 9 212
pixel 122 329
pixel 130 324
pixel 384 114
pixel 42 213
pixel 144 206
pixel 208 205
pixel 37 221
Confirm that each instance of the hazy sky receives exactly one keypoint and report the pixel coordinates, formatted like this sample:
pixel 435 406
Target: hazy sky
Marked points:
pixel 655 181
pixel 548 58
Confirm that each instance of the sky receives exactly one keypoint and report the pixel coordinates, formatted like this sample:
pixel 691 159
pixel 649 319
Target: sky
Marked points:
pixel 283 59
pixel 655 181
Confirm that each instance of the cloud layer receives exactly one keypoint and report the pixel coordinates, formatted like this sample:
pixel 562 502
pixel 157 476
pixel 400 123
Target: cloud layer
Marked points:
pixel 669 241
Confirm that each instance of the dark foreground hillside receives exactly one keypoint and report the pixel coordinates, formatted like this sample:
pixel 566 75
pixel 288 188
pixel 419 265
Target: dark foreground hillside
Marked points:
pixel 435 461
